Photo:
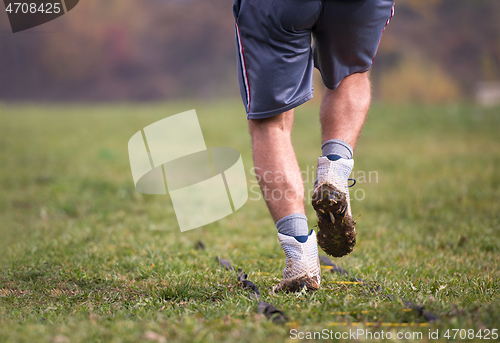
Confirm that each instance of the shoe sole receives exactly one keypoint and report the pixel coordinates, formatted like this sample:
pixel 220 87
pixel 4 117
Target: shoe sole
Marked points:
pixel 336 235
pixel 296 285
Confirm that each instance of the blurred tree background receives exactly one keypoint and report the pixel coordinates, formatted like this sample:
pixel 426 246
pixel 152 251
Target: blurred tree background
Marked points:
pixel 124 50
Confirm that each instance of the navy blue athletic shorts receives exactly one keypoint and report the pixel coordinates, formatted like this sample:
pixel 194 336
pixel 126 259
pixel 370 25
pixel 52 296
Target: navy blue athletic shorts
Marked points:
pixel 275 56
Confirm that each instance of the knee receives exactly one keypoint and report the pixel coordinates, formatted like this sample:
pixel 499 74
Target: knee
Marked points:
pixel 354 90
pixel 280 125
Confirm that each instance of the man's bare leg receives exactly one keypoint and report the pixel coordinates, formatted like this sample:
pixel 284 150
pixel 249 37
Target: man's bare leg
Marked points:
pixel 343 110
pixel 343 113
pixel 279 177
pixel 276 166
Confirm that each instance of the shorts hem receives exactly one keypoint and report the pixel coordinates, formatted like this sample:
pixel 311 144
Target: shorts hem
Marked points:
pixel 332 87
pixel 267 114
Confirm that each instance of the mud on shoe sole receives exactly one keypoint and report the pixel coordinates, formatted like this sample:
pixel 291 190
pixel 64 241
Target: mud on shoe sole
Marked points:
pixel 296 285
pixel 336 235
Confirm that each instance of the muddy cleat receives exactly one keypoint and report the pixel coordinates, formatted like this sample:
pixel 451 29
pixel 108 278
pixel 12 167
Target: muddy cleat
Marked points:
pixel 330 199
pixel 302 264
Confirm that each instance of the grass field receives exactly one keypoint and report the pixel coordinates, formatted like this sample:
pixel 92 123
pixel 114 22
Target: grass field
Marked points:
pixel 86 258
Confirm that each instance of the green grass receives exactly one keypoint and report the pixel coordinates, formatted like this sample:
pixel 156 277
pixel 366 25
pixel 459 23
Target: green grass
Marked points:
pixel 86 258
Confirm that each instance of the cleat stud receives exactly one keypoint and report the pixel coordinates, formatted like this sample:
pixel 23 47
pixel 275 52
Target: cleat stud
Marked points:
pixel 332 217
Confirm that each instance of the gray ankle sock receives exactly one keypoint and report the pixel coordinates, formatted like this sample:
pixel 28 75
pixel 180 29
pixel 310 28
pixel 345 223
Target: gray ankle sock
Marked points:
pixel 293 225
pixel 337 147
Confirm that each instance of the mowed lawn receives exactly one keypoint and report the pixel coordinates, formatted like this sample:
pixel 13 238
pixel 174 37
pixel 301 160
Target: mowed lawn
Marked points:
pixel 87 258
